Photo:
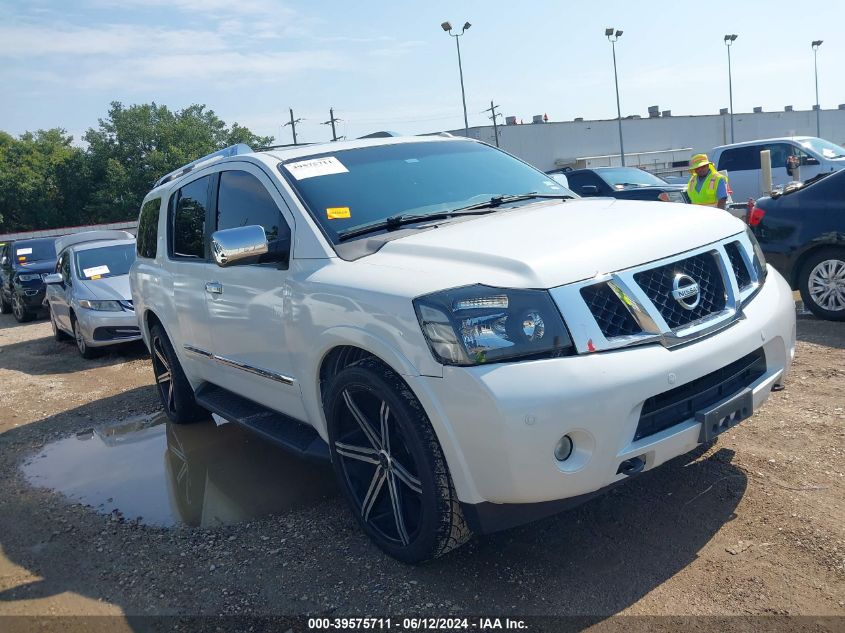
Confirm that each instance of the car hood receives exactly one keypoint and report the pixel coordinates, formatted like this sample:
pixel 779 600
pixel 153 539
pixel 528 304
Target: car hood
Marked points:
pixel 115 288
pixel 549 244
pixel 42 266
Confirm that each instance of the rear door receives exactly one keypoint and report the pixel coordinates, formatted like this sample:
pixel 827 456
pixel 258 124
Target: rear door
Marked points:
pixel 251 309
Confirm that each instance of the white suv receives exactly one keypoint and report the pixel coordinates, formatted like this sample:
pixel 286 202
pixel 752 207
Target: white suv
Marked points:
pixel 470 344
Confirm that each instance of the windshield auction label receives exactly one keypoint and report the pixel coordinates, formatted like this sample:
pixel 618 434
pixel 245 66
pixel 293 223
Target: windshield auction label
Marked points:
pixel 316 167
pixel 24 251
pixel 95 271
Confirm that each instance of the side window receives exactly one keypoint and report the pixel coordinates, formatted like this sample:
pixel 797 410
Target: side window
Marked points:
pixel 780 152
pixel 64 268
pixel 740 159
pixel 188 221
pixel 243 201
pixel 148 229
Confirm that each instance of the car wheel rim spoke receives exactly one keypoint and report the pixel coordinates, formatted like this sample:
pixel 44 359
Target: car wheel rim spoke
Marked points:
pixel 362 421
pixel 361 453
pixel 396 503
pixel 384 415
pixel 405 477
pixel 376 484
pixel 163 376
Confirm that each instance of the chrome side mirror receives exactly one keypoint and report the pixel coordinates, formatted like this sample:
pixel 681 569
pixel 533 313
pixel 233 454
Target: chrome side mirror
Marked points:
pixel 53 278
pixel 231 246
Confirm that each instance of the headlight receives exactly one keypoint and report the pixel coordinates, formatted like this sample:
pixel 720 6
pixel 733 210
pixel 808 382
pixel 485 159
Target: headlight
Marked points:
pixel 480 324
pixel 30 277
pixel 759 257
pixel 102 306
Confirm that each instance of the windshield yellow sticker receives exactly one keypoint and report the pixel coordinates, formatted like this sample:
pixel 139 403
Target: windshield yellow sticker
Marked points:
pixel 338 213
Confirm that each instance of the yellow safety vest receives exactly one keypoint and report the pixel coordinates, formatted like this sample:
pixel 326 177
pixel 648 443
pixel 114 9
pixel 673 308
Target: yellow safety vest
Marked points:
pixel 707 194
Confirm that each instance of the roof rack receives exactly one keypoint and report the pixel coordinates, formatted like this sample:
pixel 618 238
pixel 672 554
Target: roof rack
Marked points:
pixel 232 150
pixel 381 134
pixel 282 145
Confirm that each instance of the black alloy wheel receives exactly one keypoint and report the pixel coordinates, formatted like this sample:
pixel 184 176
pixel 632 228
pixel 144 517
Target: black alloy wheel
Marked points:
pixel 176 393
pixel 22 315
pixel 390 466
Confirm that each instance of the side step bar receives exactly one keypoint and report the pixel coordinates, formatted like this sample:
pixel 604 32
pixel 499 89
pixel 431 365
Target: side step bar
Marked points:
pixel 287 432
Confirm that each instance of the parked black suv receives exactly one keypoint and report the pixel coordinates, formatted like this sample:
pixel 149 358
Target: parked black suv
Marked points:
pixel 23 264
pixel 627 183
pixel 802 233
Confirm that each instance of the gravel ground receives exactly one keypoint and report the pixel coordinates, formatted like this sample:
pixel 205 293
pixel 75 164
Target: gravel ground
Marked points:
pixel 753 526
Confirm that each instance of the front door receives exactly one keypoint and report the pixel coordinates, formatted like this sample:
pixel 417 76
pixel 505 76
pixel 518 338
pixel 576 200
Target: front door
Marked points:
pixel 59 294
pixel 249 304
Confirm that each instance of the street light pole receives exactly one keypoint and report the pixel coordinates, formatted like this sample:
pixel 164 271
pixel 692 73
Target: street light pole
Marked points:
pixel 815 45
pixel 730 39
pixel 613 35
pixel 446 26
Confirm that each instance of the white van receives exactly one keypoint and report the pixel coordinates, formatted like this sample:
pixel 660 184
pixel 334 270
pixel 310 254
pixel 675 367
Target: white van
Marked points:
pixel 742 162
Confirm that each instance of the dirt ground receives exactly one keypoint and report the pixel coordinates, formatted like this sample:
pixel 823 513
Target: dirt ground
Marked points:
pixel 753 526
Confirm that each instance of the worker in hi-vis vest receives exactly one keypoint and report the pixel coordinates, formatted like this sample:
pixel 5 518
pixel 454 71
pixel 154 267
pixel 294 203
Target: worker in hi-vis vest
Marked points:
pixel 706 185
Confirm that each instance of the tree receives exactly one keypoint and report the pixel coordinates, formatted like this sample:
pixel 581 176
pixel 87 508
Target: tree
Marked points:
pixel 134 146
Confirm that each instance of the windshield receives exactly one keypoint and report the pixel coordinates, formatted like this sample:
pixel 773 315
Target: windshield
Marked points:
pixel 823 147
pixel 33 251
pixel 355 187
pixel 621 177
pixel 108 261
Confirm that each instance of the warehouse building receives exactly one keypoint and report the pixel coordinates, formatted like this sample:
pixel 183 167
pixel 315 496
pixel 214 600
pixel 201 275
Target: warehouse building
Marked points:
pixel 659 142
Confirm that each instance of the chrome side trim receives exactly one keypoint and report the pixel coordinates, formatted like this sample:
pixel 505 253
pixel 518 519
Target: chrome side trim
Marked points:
pixel 264 373
pixel 198 351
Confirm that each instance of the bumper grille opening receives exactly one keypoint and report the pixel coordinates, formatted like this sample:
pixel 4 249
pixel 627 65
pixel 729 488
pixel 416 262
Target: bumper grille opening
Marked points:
pixel 657 284
pixel 612 316
pixel 681 403
pixel 743 277
pixel 111 333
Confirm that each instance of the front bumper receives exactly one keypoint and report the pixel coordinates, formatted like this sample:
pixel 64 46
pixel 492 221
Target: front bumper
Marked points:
pixel 108 328
pixel 499 425
pixel 32 298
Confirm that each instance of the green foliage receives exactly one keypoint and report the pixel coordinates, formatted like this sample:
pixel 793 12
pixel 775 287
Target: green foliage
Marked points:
pixel 46 182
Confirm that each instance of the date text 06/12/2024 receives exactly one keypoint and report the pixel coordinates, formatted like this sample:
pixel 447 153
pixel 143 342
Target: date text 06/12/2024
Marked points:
pixel 416 624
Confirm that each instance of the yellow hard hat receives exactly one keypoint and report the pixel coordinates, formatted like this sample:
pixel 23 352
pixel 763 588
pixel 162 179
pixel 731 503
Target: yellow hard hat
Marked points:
pixel 699 160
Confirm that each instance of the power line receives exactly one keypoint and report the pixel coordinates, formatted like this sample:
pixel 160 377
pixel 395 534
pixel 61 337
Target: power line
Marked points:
pixel 332 120
pixel 292 125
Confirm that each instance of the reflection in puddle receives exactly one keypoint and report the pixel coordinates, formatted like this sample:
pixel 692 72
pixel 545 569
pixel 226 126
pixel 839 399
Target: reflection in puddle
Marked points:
pixel 200 474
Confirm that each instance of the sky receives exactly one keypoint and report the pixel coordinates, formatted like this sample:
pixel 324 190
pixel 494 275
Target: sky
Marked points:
pixel 389 66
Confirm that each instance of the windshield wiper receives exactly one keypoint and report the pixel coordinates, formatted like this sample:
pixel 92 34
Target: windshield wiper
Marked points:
pixel 497 201
pixel 393 222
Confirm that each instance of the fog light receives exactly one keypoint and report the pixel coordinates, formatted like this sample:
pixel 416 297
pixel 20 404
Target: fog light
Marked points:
pixel 563 449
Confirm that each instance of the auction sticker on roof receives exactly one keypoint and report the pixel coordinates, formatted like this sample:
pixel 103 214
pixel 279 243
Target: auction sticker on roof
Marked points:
pixel 316 167
pixel 96 271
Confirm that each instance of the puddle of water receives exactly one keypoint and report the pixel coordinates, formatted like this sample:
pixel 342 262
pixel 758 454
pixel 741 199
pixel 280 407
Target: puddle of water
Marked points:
pixel 202 474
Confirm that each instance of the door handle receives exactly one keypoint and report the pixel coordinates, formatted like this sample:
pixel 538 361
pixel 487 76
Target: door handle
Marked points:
pixel 214 287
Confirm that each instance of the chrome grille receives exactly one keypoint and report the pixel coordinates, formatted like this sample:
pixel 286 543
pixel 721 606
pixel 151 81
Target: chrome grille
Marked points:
pixel 743 277
pixel 657 285
pixel 612 316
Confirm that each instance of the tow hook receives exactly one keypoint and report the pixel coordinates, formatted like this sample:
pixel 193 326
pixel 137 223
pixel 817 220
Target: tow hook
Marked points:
pixel 631 466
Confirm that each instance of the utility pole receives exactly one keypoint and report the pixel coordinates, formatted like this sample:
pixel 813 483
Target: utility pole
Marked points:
pixel 815 45
pixel 292 125
pixel 730 39
pixel 331 122
pixel 613 35
pixel 493 115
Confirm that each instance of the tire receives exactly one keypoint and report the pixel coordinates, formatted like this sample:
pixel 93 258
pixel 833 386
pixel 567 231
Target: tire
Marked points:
pixel 174 390
pixel 22 315
pixel 82 346
pixel 822 284
pixel 408 472
pixel 58 334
